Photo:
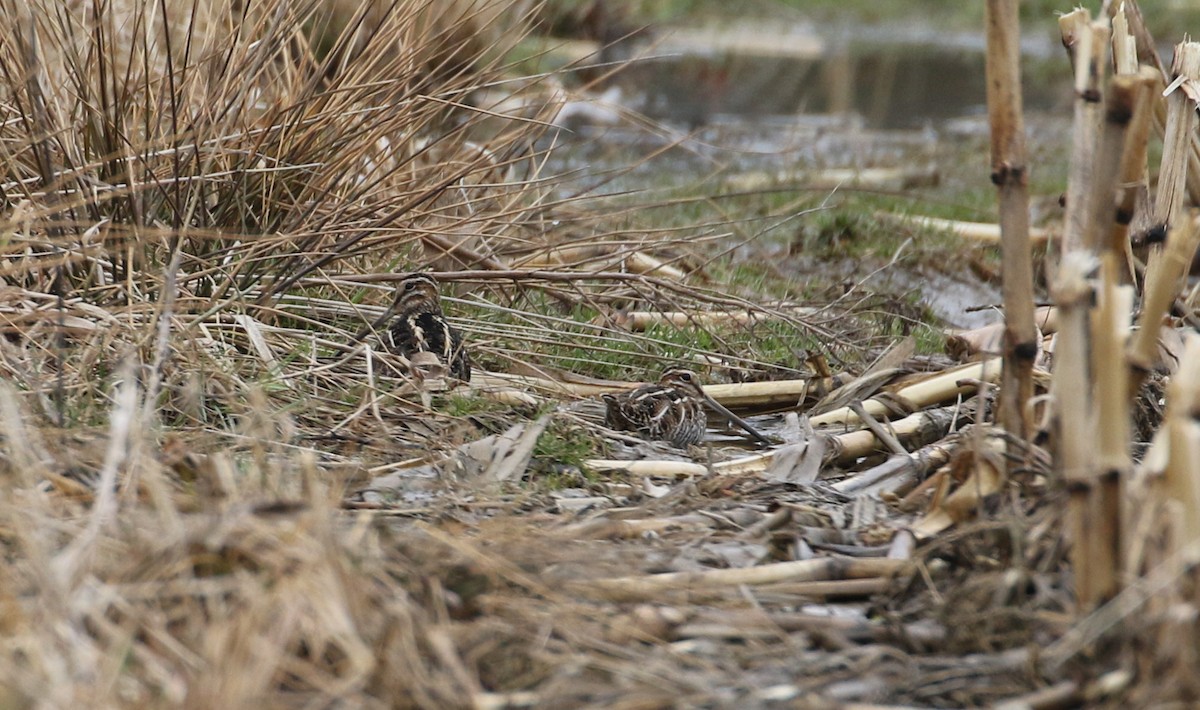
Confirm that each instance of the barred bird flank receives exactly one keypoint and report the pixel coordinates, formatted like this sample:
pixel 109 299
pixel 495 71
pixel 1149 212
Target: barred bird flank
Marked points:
pixel 672 410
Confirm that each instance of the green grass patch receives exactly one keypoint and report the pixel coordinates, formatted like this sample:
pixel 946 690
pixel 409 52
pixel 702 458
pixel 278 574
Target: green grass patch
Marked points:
pixel 560 454
pixel 575 343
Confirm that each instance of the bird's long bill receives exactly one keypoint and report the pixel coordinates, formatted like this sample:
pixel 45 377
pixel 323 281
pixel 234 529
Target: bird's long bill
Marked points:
pixel 367 330
pixel 754 433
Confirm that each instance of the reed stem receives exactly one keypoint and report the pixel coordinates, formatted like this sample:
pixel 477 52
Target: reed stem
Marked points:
pixel 1010 175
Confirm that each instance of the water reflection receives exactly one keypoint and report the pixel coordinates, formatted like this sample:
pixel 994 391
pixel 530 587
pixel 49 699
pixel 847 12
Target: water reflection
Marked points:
pixel 894 86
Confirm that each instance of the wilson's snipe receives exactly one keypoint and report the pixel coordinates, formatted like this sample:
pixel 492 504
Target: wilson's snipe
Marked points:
pixel 672 410
pixel 419 326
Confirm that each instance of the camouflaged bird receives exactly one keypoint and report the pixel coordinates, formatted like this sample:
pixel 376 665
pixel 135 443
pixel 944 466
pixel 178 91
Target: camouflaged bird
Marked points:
pixel 419 326
pixel 671 410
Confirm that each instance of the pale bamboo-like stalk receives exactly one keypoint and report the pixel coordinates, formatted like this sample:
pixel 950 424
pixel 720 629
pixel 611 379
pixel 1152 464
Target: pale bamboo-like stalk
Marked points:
pixel 1095 509
pixel 933 389
pixel 820 569
pixel 834 178
pixel 635 262
pixel 1010 175
pixel 901 466
pixel 640 321
pixel 773 393
pixel 1072 30
pixel 1124 45
pixel 971 231
pixel 1076 431
pixel 1110 332
pixel 1129 99
pixel 1183 431
pixel 1164 277
pixel 1087 43
pixel 1168 264
pixel 846 447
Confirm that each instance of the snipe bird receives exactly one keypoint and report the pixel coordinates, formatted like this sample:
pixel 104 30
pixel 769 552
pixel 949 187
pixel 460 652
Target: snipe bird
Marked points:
pixel 671 410
pixel 419 326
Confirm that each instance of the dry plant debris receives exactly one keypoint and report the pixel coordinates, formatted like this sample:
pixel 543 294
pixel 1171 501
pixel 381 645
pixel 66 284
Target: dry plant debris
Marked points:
pixel 212 495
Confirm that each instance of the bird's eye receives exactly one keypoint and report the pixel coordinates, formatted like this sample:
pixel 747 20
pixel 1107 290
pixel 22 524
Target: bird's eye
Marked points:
pixel 686 376
pixel 410 285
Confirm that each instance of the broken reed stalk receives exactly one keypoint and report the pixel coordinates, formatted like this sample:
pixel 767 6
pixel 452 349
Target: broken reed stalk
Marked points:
pixel 640 321
pixel 1087 44
pixel 1073 293
pixel 635 262
pixel 818 570
pixel 772 393
pixel 985 477
pixel 1119 103
pixel 1010 175
pixel 1183 431
pixel 1095 159
pixel 1086 354
pixel 1168 264
pixel 937 388
pixel 1109 332
pixel 1181 121
pixel 1164 277
pixel 1133 191
pixel 1134 200
pixel 971 231
pixel 900 468
pixel 1147 53
pixel 1124 45
pixel 845 448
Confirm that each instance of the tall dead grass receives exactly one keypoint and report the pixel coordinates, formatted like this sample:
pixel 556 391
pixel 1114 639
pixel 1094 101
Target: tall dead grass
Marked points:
pixel 170 172
pixel 167 165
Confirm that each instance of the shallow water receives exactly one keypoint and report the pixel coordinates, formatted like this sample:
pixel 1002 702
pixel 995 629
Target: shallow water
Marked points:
pixel 889 86
pixel 759 102
pixel 891 78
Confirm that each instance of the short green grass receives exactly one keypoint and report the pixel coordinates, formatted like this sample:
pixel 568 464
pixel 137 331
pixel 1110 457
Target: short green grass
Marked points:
pixel 574 344
pixel 560 454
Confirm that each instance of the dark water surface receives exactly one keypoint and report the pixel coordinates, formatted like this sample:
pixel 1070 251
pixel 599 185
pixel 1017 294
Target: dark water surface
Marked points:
pixel 893 86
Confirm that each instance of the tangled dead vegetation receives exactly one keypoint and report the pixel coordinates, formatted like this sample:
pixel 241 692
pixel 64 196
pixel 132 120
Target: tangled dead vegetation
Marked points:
pixel 213 494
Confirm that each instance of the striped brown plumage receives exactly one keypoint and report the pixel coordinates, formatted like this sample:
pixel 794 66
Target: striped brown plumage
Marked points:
pixel 418 325
pixel 671 410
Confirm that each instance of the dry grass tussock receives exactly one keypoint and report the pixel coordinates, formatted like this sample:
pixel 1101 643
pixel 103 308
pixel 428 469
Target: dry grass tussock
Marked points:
pixel 171 171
